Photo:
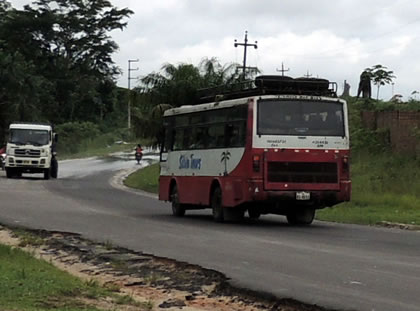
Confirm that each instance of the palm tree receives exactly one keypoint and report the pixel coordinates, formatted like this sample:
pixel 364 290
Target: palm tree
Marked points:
pixel 177 85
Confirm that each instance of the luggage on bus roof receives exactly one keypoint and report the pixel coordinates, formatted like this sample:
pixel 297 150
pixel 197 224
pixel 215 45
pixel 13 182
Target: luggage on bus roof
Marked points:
pixel 270 85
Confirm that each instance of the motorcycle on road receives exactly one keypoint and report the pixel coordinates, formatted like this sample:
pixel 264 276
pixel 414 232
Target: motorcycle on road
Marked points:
pixel 139 156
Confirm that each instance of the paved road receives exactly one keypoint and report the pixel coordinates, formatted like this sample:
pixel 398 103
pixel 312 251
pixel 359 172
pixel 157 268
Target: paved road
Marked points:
pixel 336 266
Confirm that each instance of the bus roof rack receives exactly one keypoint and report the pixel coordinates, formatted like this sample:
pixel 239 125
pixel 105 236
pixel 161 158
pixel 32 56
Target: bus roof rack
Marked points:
pixel 269 85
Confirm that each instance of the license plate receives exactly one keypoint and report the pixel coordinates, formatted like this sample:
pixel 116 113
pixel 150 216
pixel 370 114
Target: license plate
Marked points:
pixel 26 162
pixel 303 195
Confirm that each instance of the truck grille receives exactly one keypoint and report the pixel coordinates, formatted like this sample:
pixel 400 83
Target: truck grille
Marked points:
pixel 28 153
pixel 302 172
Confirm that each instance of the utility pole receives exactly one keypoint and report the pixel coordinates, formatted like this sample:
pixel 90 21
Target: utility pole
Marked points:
pixel 129 89
pixel 282 70
pixel 308 75
pixel 245 44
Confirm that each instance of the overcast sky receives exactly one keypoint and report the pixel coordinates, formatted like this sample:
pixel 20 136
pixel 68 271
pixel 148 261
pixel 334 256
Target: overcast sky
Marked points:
pixel 335 40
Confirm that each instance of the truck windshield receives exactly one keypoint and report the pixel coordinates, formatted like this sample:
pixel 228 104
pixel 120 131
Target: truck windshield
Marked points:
pixel 28 136
pixel 300 118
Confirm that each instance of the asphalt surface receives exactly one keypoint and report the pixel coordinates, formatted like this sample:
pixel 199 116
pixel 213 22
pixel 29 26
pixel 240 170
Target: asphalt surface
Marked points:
pixel 345 267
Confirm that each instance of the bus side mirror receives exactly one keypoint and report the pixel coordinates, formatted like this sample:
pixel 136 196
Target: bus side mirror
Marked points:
pixel 55 137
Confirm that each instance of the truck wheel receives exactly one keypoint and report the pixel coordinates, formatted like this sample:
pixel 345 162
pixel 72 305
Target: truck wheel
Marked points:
pixel 301 216
pixel 178 209
pixel 216 205
pixel 54 168
pixel 9 173
pixel 47 173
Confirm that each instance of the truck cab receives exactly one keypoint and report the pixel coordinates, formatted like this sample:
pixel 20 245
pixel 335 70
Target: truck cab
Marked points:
pixel 31 149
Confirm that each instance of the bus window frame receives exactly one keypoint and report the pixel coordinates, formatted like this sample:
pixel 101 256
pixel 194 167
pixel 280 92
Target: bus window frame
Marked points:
pixel 205 116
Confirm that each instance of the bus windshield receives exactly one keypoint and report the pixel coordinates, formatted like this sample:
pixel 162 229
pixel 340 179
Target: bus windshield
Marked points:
pixel 300 118
pixel 27 136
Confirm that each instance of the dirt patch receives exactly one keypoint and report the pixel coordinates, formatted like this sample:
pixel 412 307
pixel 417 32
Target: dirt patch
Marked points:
pixel 155 283
pixel 394 225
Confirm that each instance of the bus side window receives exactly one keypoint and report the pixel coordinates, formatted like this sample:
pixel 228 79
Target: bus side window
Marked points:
pixel 176 140
pixel 200 138
pixel 168 140
pixel 181 139
pixel 232 134
pixel 235 134
pixel 186 138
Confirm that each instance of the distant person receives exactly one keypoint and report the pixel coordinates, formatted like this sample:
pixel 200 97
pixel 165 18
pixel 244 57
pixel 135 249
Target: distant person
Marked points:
pixel 139 149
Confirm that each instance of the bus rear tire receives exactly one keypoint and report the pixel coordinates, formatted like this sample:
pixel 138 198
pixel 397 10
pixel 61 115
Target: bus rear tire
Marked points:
pixel 302 216
pixel 178 209
pixel 216 205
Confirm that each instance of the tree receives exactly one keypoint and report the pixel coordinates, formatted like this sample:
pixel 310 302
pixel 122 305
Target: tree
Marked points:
pixel 66 46
pixel 380 76
pixel 174 86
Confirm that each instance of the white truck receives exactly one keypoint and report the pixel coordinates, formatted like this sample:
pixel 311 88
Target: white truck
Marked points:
pixel 31 149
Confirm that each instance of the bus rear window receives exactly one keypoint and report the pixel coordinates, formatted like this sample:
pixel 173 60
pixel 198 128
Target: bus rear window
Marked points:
pixel 300 118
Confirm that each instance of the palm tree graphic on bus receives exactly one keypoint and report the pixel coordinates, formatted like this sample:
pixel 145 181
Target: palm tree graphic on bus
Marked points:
pixel 225 157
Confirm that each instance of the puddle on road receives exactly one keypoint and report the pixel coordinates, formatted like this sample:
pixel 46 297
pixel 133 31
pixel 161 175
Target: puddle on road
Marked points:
pixel 80 168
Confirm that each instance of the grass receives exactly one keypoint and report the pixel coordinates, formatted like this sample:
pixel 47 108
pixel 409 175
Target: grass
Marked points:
pixel 146 179
pixel 30 284
pixel 386 187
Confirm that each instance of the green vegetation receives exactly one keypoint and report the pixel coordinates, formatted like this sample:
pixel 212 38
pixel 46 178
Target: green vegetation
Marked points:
pixel 385 188
pixel 146 179
pixel 385 185
pixel 30 284
pixel 56 64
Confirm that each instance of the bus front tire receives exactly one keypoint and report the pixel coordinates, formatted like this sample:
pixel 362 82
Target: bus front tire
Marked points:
pixel 301 216
pixel 178 209
pixel 216 205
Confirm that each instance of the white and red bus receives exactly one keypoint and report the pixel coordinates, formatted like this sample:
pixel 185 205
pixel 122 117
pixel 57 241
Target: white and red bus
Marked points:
pixel 280 147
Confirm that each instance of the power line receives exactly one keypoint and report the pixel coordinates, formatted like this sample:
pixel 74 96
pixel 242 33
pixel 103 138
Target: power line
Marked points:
pixel 129 88
pixel 346 47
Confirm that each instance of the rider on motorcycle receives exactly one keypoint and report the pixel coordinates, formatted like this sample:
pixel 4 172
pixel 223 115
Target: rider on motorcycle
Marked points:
pixel 139 153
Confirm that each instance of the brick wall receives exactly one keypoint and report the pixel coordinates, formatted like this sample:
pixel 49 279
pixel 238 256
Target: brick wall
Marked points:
pixel 401 125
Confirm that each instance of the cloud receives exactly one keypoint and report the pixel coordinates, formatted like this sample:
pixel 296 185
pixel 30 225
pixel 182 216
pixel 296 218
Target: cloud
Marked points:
pixel 333 40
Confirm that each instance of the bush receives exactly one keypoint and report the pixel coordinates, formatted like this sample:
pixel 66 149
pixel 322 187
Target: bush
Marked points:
pixel 71 135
